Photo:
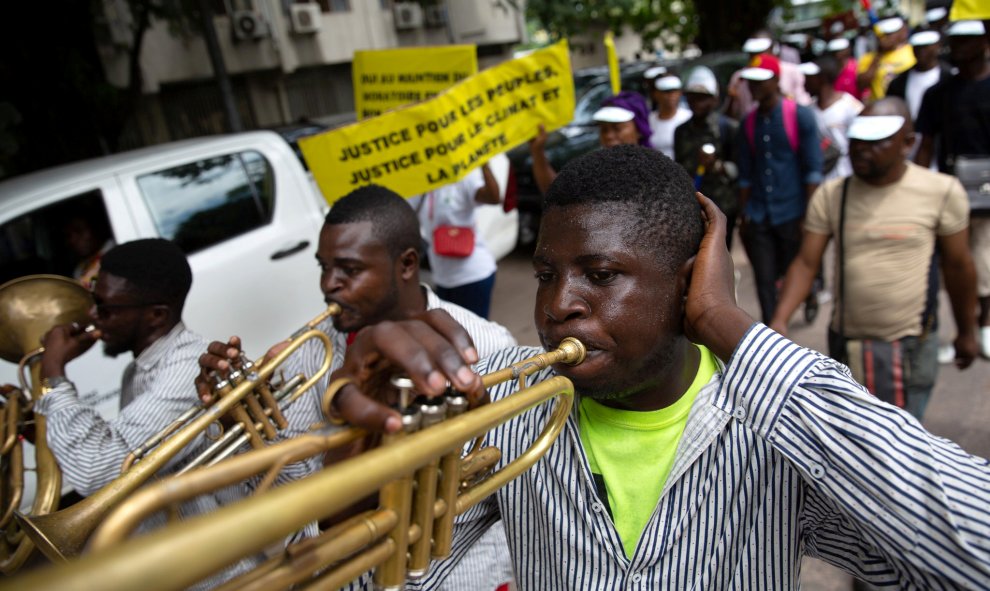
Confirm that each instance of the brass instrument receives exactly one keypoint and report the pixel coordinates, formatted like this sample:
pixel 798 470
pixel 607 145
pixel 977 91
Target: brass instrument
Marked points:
pixel 63 534
pixel 423 484
pixel 29 307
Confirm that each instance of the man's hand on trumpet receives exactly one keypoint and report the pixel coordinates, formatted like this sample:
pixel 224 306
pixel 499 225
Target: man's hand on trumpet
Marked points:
pixel 218 360
pixel 431 349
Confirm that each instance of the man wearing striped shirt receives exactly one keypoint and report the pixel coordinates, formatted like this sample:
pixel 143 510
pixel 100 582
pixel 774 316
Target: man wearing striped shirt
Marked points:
pixel 139 294
pixel 775 454
pixel 368 254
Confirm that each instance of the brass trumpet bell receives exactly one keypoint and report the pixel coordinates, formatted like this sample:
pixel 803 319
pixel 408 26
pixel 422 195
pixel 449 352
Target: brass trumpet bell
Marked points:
pixel 31 305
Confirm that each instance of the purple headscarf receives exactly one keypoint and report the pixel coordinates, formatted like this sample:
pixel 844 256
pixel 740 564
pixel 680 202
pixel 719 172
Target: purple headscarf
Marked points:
pixel 636 103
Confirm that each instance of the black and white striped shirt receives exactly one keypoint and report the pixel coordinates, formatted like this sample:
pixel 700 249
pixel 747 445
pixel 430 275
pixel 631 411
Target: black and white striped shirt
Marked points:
pixel 783 456
pixel 156 388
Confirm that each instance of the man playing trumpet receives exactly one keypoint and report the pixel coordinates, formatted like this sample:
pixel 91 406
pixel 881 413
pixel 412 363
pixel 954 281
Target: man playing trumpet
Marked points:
pixel 368 255
pixel 686 466
pixel 138 298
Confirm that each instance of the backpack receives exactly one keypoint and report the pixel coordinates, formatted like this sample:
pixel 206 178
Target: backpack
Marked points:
pixel 830 153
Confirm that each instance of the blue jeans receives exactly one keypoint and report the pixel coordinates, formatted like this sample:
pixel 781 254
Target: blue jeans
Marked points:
pixel 770 250
pixel 921 355
pixel 476 296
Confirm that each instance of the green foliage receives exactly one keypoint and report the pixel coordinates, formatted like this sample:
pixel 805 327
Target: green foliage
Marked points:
pixel 653 20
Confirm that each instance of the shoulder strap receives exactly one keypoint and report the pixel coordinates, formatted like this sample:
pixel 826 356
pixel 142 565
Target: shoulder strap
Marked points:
pixel 790 122
pixel 841 260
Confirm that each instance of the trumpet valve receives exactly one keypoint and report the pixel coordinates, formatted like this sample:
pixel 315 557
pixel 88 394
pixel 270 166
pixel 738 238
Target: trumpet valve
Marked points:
pixel 406 391
pixel 456 402
pixel 433 410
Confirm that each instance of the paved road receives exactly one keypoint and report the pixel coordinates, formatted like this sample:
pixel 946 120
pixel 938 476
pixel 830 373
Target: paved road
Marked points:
pixel 959 409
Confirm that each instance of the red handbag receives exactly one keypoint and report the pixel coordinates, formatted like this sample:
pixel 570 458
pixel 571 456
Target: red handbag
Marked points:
pixel 453 241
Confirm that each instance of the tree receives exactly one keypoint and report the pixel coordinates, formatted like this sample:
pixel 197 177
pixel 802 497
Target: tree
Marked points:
pixel 703 21
pixel 56 85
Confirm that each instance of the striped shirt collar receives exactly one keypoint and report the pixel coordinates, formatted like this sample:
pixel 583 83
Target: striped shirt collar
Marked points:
pixel 160 348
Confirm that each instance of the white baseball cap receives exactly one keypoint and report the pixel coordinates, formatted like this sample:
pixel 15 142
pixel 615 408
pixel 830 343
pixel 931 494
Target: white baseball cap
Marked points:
pixel 837 44
pixel 936 14
pixel 613 115
pixel 756 74
pixel 966 28
pixel 702 81
pixel 922 38
pixel 872 128
pixel 890 25
pixel 668 83
pixel 654 72
pixel 757 45
pixel 810 69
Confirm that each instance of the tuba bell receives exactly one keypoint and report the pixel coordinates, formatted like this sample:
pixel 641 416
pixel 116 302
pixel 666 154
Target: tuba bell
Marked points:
pixel 29 307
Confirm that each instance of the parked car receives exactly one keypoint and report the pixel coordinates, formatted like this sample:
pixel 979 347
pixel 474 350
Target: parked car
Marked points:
pixel 591 87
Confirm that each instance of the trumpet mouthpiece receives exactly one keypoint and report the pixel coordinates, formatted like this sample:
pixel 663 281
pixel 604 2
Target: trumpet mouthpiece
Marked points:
pixel 573 351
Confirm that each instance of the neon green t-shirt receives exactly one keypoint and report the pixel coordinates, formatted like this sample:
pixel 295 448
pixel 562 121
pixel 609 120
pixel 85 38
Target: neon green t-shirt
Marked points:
pixel 631 453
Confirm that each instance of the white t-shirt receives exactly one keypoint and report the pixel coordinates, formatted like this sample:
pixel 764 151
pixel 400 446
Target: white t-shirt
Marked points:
pixel 454 205
pixel 835 121
pixel 917 84
pixel 662 130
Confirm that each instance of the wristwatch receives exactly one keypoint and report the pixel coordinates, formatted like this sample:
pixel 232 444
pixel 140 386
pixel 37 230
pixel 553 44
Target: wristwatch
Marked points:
pixel 49 384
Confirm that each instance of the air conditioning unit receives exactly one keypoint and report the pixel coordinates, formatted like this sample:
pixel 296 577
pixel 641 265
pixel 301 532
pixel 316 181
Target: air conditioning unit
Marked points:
pixel 306 18
pixel 248 25
pixel 435 15
pixel 407 15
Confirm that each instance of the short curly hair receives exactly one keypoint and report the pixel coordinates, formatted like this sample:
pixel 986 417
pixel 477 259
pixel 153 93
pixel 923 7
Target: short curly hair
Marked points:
pixel 394 222
pixel 663 213
pixel 156 270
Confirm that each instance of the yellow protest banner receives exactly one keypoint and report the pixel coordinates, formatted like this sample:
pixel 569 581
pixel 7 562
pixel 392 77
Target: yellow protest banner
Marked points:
pixel 964 10
pixel 613 63
pixel 424 146
pixel 386 79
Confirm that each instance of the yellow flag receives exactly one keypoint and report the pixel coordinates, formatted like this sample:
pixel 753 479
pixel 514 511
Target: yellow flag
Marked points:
pixel 613 63
pixel 427 145
pixel 966 10
pixel 385 79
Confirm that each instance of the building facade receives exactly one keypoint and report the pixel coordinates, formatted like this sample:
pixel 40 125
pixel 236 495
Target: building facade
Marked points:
pixel 288 60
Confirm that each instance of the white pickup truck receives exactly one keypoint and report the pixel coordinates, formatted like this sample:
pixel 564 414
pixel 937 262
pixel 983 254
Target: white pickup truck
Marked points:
pixel 242 207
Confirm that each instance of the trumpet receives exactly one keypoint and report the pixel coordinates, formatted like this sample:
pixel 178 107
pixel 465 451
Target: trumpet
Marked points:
pixel 423 483
pixel 64 533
